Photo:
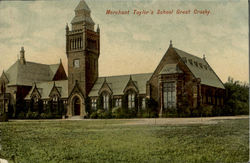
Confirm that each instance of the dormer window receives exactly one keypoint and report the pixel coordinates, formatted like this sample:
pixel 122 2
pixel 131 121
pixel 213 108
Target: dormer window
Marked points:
pixel 184 59
pixel 196 64
pixel 200 65
pixel 190 61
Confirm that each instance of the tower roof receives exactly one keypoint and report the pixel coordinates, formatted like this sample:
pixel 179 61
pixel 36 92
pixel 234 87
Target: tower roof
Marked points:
pixel 82 15
pixel 82 6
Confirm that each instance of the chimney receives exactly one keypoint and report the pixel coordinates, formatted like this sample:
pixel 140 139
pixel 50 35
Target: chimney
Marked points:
pixel 98 29
pixel 171 45
pixel 204 56
pixel 22 57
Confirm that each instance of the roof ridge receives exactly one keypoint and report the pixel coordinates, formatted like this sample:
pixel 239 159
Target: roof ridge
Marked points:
pixel 42 63
pixel 50 81
pixel 125 75
pixel 189 54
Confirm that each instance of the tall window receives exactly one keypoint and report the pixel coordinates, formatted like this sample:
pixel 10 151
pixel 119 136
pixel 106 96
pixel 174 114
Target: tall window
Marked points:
pixel 143 105
pixel 118 102
pixel 131 100
pixel 105 101
pixel 169 94
pixel 93 103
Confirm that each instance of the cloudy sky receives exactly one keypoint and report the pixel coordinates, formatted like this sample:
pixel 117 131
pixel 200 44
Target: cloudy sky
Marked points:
pixel 130 43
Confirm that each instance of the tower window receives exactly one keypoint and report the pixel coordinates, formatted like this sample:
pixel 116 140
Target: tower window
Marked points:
pixel 76 63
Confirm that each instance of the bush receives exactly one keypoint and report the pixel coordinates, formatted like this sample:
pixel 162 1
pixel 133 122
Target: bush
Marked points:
pixel 32 115
pixel 43 116
pixel 116 112
pixel 206 110
pixel 237 98
pixel 21 115
pixel 94 115
pixel 3 117
pixel 107 114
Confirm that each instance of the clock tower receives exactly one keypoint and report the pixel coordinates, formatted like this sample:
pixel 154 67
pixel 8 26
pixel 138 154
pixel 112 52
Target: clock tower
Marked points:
pixel 82 49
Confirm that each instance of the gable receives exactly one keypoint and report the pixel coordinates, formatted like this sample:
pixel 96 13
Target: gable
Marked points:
pixel 4 78
pixel 60 73
pixel 118 83
pixel 47 89
pixel 170 69
pixel 54 92
pixel 131 85
pixel 105 87
pixel 168 61
pixel 36 94
pixel 76 90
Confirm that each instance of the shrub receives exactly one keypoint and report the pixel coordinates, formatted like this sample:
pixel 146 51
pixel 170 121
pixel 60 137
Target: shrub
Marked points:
pixel 43 116
pixel 107 114
pixel 184 111
pixel 21 115
pixel 100 113
pixel 94 115
pixel 29 114
pixel 115 112
pixel 206 110
pixel 3 117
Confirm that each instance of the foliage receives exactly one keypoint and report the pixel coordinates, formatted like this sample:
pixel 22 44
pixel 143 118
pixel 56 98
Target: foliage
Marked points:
pixel 21 115
pixel 151 109
pixel 99 104
pixel 122 141
pixel 170 112
pixel 3 117
pixel 94 115
pixel 237 98
pixel 88 105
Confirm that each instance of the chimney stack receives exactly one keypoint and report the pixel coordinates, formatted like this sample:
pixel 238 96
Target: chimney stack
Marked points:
pixel 22 56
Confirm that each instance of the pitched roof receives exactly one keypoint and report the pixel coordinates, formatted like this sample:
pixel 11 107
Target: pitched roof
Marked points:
pixel 45 88
pixel 82 6
pixel 200 69
pixel 26 74
pixel 170 69
pixel 118 83
pixel 83 17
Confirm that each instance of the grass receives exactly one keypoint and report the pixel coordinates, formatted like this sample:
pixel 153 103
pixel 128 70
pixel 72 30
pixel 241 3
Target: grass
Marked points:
pixel 114 141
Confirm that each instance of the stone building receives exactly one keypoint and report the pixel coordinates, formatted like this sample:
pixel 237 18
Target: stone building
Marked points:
pixel 180 79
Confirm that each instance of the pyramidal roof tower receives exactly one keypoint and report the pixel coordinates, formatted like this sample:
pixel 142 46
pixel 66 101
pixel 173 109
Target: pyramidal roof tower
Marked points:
pixel 82 17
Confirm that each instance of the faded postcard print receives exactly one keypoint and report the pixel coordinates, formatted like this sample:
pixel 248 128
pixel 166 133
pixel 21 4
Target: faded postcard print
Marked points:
pixel 124 81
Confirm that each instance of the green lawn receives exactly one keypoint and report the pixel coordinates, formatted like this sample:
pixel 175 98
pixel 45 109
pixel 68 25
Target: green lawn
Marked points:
pixel 114 141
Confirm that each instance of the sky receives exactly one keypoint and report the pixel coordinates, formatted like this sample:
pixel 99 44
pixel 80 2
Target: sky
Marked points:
pixel 130 43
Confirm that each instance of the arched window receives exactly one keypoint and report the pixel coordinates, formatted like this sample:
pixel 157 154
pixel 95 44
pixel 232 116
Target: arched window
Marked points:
pixel 169 95
pixel 143 105
pixel 131 100
pixel 93 103
pixel 118 102
pixel 105 101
